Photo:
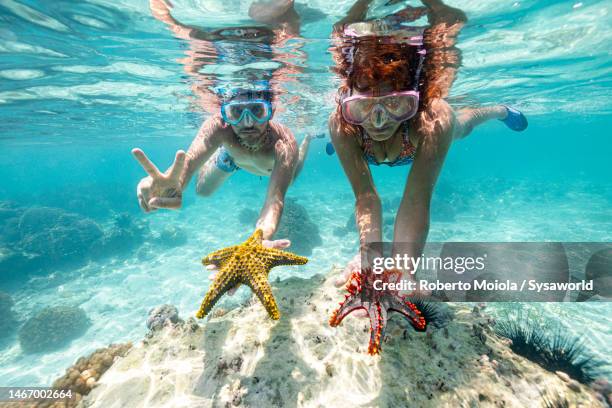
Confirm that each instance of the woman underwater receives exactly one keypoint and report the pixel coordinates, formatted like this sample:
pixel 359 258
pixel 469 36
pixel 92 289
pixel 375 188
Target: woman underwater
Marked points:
pixel 391 111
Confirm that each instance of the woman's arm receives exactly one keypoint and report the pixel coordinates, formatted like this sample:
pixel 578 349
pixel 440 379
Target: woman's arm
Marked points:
pixel 412 221
pixel 206 142
pixel 367 202
pixel 286 157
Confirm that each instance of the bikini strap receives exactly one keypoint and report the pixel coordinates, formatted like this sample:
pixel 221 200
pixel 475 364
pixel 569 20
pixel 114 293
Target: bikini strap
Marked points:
pixel 366 142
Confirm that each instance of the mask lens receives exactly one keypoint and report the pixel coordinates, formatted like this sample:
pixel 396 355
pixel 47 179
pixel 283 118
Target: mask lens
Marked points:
pixel 356 111
pixel 258 110
pixel 234 112
pixel 400 107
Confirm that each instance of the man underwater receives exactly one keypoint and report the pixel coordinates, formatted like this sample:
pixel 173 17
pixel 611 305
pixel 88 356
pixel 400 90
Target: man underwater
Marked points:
pixel 242 136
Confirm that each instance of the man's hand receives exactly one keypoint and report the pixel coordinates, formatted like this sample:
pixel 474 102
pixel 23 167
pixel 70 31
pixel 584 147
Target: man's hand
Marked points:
pixel 278 244
pixel 160 190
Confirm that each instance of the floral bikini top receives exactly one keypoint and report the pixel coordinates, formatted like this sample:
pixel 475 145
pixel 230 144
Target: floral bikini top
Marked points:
pixel 404 158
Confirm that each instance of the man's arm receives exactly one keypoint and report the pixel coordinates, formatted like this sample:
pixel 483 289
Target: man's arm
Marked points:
pixel 206 142
pixel 286 157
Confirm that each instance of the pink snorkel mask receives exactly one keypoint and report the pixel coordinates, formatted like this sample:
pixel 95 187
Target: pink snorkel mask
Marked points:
pixel 400 106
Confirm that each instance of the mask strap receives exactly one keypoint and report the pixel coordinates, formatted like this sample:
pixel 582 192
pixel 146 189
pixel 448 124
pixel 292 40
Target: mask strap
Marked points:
pixel 417 76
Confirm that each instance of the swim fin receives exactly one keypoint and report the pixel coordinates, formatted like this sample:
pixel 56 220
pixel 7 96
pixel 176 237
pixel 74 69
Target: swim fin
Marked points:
pixel 329 149
pixel 515 119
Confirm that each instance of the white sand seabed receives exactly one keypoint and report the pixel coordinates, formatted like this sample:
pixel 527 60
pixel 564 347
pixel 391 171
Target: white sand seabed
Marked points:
pixel 243 358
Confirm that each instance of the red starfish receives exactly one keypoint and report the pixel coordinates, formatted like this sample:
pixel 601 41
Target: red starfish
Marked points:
pixel 378 304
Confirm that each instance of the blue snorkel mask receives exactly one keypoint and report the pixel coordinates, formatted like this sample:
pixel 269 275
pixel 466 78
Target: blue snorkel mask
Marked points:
pixel 254 101
pixel 233 112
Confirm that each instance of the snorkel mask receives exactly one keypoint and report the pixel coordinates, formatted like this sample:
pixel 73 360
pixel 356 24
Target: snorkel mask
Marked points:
pixel 234 112
pixel 238 103
pixel 400 106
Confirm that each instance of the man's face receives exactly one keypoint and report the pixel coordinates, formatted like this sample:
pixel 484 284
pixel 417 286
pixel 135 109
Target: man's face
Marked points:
pixel 249 129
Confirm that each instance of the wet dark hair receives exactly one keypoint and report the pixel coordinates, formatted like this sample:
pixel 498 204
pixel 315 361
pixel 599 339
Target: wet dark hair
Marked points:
pixel 373 62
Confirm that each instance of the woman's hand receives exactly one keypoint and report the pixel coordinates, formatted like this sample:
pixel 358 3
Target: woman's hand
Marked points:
pixel 277 244
pixel 160 190
pixel 353 266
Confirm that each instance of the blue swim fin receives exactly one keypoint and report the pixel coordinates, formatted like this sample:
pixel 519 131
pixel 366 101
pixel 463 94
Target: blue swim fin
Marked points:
pixel 515 119
pixel 329 149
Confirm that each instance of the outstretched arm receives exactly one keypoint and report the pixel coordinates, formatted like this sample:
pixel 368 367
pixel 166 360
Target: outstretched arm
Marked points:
pixel 206 142
pixel 412 220
pixel 286 157
pixel 368 207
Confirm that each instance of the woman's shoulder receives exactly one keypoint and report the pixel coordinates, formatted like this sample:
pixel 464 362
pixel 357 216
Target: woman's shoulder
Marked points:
pixel 437 116
pixel 339 128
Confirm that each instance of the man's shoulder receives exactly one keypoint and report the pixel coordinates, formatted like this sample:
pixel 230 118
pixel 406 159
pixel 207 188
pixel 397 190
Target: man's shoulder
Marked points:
pixel 215 126
pixel 279 128
pixel 283 134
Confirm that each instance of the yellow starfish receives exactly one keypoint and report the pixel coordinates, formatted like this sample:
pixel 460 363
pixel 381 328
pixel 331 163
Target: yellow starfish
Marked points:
pixel 248 263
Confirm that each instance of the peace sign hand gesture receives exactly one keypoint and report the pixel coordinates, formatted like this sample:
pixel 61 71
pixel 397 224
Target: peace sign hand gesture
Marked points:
pixel 160 190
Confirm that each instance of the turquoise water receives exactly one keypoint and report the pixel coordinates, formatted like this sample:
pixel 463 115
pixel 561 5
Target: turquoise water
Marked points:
pixel 82 83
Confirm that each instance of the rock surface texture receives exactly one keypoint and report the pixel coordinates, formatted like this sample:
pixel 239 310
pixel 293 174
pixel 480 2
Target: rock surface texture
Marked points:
pixel 244 359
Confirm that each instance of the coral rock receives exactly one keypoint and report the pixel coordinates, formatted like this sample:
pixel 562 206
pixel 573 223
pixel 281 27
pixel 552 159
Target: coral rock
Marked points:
pixel 52 328
pixel 162 315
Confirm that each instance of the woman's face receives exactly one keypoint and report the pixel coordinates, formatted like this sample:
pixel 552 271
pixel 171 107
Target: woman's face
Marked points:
pixel 379 125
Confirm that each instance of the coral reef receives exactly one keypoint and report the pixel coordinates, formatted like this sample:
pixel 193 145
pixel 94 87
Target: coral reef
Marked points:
pixel 40 238
pixel 83 375
pixel 297 226
pixel 36 240
pixel 124 235
pixel 57 236
pixel 161 315
pixel 8 320
pixel 248 263
pixel 244 359
pixel 52 328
